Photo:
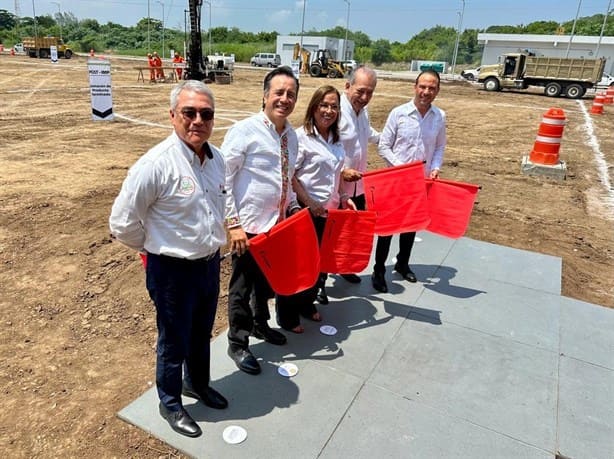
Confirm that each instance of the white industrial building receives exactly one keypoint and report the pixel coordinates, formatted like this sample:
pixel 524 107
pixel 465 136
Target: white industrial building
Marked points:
pixel 336 46
pixel 579 46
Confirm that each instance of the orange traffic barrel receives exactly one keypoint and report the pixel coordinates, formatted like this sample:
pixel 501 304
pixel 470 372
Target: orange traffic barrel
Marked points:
pixel 91 52
pixel 609 96
pixel 597 108
pixel 548 141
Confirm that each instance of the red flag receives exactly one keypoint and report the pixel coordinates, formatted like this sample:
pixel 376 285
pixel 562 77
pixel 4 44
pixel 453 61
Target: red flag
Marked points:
pixel 398 196
pixel 450 206
pixel 347 241
pixel 288 254
pixel 144 259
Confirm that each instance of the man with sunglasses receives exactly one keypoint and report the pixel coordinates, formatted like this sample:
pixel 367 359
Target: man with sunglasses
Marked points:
pixel 260 154
pixel 171 208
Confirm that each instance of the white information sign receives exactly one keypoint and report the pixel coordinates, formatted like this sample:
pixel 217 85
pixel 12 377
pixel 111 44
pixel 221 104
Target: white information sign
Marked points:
pixel 296 68
pixel 54 53
pixel 100 89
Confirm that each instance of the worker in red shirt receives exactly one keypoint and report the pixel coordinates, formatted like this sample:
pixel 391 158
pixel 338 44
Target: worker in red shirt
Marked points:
pixel 158 65
pixel 151 64
pixel 178 60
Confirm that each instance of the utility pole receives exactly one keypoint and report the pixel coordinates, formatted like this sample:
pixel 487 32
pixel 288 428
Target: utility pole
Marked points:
pixel 162 3
pixel 458 34
pixel 303 26
pixel 148 30
pixel 59 16
pixel 34 17
pixel 605 20
pixel 347 28
pixel 573 28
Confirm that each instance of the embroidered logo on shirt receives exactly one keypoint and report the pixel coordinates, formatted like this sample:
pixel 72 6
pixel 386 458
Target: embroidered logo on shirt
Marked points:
pixel 187 185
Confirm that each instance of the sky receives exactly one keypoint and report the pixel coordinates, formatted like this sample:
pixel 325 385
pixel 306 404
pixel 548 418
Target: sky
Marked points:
pixel 394 20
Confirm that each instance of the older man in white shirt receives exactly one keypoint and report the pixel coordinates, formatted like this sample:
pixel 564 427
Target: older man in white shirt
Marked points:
pixel 260 154
pixel 171 207
pixel 356 134
pixel 415 131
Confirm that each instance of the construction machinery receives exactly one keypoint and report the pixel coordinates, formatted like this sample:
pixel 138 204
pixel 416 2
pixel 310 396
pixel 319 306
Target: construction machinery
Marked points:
pixel 557 75
pixel 304 56
pixel 41 47
pixel 325 66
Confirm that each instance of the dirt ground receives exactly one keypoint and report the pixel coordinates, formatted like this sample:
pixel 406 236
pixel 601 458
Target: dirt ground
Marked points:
pixel 78 330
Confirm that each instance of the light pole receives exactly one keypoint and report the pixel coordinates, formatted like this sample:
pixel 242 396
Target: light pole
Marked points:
pixel 303 26
pixel 573 28
pixel 148 30
pixel 34 17
pixel 59 16
pixel 460 26
pixel 162 3
pixel 605 20
pixel 347 28
pixel 209 3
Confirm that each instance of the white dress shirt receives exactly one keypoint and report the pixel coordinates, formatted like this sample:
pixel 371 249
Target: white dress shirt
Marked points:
pixel 409 137
pixel 171 204
pixel 318 167
pixel 252 149
pixel 356 133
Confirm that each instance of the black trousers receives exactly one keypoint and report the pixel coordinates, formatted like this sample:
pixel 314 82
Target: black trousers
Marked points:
pixel 406 243
pixel 246 277
pixel 185 293
pixel 289 308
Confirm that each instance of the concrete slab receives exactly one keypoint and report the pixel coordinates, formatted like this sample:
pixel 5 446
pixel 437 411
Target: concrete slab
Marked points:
pixel 556 171
pixel 519 314
pixel 482 260
pixel 586 417
pixel 481 358
pixel 495 383
pixel 587 333
pixel 384 424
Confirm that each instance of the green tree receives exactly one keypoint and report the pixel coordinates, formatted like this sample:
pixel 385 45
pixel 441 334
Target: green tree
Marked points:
pixel 381 52
pixel 7 20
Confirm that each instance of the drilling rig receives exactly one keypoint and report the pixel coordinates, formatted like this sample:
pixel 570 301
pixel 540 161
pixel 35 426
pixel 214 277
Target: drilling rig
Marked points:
pixel 196 69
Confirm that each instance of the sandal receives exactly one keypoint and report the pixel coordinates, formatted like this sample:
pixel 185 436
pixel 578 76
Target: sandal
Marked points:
pixel 298 329
pixel 316 317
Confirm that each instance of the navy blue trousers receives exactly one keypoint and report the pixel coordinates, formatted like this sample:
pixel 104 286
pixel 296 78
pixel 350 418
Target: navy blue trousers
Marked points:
pixel 185 293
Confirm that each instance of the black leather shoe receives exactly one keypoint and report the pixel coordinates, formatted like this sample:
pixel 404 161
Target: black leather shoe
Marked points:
pixel 245 361
pixel 209 396
pixel 180 421
pixel 321 296
pixel 351 278
pixel 263 331
pixel 379 282
pixel 406 273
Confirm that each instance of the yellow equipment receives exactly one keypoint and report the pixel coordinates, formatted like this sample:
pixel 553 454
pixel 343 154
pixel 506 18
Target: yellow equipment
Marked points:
pixel 304 57
pixel 324 66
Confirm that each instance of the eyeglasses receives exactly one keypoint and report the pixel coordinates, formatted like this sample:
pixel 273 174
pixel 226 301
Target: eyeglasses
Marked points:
pixel 206 114
pixel 334 108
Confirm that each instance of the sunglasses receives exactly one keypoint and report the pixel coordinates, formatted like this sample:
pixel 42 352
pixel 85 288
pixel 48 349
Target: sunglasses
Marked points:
pixel 206 114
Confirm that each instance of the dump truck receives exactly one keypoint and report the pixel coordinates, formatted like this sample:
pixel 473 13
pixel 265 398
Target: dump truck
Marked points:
pixel 558 76
pixel 41 47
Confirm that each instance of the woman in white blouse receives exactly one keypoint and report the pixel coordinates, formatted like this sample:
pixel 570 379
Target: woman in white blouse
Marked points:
pixel 316 181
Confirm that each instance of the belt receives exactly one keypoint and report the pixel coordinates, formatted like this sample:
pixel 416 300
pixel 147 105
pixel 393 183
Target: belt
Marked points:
pixel 204 259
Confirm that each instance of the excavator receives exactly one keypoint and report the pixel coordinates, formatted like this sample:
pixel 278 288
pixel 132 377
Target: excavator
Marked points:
pixel 324 66
pixel 304 56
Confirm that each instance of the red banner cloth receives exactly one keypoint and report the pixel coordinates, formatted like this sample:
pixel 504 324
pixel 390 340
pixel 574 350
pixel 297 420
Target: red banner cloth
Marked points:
pixel 347 241
pixel 450 206
pixel 398 197
pixel 288 254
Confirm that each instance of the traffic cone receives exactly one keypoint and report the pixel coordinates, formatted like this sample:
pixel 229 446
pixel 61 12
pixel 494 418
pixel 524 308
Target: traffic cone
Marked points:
pixel 597 108
pixel 91 52
pixel 609 96
pixel 12 51
pixel 548 141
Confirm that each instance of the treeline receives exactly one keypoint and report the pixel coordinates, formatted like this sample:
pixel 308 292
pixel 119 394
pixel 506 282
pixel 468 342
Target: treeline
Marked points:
pixel 436 43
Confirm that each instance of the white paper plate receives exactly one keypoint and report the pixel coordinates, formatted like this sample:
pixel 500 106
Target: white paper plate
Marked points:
pixel 287 369
pixel 328 330
pixel 234 434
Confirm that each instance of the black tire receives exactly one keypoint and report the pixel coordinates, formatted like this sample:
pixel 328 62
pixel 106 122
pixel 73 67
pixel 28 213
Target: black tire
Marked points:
pixel 253 64
pixel 553 89
pixel 333 74
pixel 469 77
pixel 574 91
pixel 43 54
pixel 67 54
pixel 270 65
pixel 492 84
pixel 315 70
